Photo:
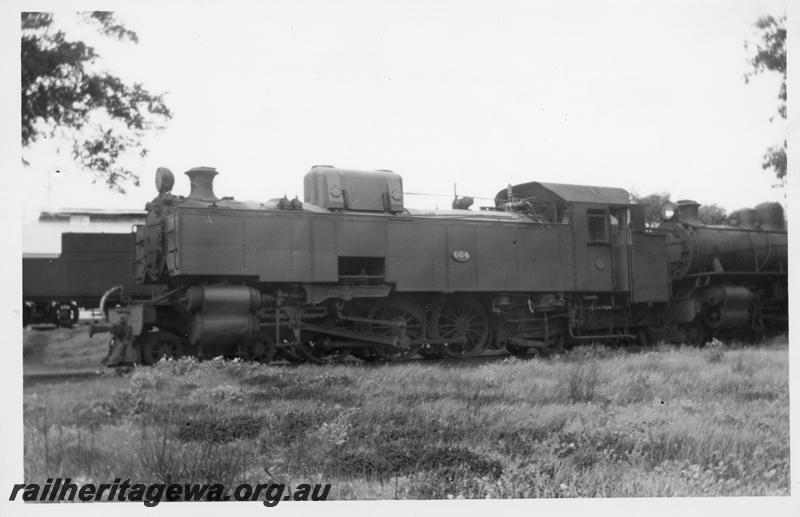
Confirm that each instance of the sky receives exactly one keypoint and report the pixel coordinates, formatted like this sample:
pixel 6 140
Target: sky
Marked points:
pixel 647 96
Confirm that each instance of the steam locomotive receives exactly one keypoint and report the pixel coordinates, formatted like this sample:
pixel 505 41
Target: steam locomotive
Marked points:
pixel 351 270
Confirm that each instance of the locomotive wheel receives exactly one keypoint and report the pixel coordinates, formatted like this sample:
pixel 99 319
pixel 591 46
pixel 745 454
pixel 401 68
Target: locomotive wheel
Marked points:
pixel 695 333
pixel 156 345
pixel 429 351
pixel 554 346
pixel 512 329
pixel 517 351
pixel 283 350
pixel 313 350
pixel 364 353
pixel 398 311
pixel 290 354
pixel 643 338
pixel 261 348
pixel 463 325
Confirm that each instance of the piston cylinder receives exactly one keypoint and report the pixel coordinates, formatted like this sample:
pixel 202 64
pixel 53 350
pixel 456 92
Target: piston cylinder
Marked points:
pixel 221 315
pixel 727 306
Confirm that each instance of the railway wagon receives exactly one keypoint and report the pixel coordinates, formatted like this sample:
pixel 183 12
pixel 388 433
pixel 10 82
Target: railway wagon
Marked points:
pixel 53 288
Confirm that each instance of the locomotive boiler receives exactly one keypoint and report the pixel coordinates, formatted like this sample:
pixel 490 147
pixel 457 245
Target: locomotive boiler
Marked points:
pixel 351 270
pixel 730 277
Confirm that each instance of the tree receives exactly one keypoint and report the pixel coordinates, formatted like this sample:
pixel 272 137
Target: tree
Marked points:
pixel 652 206
pixel 712 214
pixel 707 214
pixel 64 94
pixel 770 56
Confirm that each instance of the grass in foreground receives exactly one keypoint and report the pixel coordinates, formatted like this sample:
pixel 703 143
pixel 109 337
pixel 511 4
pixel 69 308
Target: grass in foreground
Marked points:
pixel 60 348
pixel 674 421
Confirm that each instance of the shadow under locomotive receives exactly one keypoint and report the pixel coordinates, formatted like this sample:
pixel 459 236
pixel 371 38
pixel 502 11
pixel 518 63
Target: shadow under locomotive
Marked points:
pixel 351 270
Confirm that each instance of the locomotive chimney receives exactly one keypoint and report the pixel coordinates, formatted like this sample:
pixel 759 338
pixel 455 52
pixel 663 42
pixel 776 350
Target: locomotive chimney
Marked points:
pixel 689 211
pixel 202 181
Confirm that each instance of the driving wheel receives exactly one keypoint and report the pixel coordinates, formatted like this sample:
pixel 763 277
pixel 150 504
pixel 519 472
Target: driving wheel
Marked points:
pixel 462 325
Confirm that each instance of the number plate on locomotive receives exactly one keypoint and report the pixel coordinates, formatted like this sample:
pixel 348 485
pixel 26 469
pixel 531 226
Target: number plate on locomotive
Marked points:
pixel 461 255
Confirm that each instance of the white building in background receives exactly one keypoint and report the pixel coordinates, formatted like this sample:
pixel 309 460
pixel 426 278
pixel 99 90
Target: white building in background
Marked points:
pixel 43 238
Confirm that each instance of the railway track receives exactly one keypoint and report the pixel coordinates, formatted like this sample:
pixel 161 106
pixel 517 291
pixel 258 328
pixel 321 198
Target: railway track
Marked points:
pixel 468 362
pixel 488 356
pixel 31 378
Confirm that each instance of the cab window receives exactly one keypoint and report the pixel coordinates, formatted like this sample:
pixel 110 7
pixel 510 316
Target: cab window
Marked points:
pixel 598 226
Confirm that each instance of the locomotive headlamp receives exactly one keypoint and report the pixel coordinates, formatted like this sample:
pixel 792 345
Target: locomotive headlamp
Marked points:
pixel 668 211
pixel 164 180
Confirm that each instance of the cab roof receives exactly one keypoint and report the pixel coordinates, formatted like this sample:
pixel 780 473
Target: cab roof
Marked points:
pixel 569 193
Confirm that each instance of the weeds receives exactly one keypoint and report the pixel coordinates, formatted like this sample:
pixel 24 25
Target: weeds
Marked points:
pixel 581 381
pixel 207 459
pixel 715 351
pixel 593 422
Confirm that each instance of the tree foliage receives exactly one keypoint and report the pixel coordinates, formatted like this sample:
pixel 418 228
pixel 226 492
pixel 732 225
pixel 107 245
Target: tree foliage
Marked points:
pixel 712 214
pixel 708 214
pixel 652 206
pixel 769 55
pixel 65 95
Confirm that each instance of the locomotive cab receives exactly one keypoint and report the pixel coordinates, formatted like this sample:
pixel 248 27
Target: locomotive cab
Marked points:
pixel 613 250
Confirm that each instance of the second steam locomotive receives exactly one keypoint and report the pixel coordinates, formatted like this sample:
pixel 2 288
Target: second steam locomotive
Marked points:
pixel 351 269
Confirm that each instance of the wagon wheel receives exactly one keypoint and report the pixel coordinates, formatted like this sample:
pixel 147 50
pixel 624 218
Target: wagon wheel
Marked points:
pixel 463 325
pixel 398 311
pixel 63 314
pixel 156 345
pixel 261 348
